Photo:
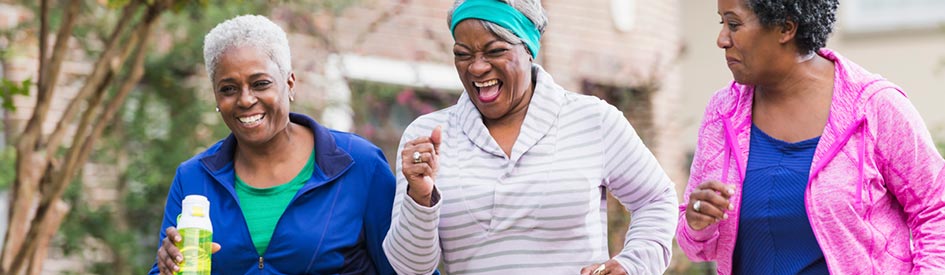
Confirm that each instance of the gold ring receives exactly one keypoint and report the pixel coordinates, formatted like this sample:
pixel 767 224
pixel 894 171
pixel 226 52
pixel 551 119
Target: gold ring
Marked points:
pixel 600 269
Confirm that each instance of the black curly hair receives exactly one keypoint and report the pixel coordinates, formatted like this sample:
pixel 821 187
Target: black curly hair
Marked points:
pixel 814 19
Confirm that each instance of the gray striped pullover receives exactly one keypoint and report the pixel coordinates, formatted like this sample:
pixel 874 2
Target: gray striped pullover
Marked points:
pixel 538 211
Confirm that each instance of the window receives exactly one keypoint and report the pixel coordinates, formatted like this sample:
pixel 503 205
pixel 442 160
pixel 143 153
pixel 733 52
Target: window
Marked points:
pixel 865 16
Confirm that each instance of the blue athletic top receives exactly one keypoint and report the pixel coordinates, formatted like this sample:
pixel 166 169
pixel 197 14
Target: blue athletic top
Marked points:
pixel 774 233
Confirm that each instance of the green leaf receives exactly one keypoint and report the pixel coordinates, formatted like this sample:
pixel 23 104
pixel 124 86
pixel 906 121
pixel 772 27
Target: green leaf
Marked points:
pixel 114 4
pixel 8 89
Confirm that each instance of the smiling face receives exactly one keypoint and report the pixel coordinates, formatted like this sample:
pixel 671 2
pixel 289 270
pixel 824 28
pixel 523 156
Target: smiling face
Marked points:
pixel 253 96
pixel 497 75
pixel 752 51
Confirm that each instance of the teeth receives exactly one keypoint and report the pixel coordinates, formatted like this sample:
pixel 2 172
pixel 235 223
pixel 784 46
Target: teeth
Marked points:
pixel 486 84
pixel 251 119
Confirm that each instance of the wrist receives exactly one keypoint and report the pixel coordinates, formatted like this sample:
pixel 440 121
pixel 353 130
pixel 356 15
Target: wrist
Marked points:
pixel 421 198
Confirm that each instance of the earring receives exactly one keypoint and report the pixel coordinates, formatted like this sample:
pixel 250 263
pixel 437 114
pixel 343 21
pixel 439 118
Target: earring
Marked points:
pixel 218 109
pixel 291 98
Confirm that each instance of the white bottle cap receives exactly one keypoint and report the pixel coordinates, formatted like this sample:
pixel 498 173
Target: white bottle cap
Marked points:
pixel 195 212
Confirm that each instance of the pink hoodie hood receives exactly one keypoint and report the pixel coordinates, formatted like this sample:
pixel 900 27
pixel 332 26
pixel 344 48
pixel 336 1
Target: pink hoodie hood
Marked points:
pixel 876 178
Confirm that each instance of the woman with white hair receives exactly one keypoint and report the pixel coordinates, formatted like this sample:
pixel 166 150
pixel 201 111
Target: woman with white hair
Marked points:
pixel 287 195
pixel 510 179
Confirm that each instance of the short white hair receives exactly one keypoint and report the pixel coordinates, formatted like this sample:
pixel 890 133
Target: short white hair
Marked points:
pixel 247 30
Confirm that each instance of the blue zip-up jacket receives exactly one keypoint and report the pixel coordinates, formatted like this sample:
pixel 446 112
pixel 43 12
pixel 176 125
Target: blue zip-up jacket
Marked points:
pixel 335 224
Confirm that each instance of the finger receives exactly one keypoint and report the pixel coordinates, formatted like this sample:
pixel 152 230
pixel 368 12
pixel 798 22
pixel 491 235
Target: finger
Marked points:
pixel 419 140
pixel 214 247
pixel 418 170
pixel 587 270
pixel 172 234
pixel 426 157
pixel 426 147
pixel 415 174
pixel 436 137
pixel 171 265
pixel 726 190
pixel 160 260
pixel 406 154
pixel 434 163
pixel 614 268
pixel 710 197
pixel 698 221
pixel 711 210
pixel 171 252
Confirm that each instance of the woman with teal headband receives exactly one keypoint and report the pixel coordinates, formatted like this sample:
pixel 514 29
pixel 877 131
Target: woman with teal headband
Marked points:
pixel 511 178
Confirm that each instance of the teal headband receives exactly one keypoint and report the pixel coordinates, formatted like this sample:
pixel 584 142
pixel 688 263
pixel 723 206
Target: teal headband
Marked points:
pixel 501 14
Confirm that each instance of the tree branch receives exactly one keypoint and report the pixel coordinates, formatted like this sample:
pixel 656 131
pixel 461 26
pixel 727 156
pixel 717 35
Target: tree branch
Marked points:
pixel 48 73
pixel 73 157
pixel 43 42
pixel 95 80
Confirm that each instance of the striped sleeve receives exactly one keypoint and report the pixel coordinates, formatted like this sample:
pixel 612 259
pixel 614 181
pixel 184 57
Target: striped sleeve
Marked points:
pixel 412 244
pixel 634 177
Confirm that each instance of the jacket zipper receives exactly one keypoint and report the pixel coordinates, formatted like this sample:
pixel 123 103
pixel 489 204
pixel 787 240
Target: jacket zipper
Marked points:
pixel 261 263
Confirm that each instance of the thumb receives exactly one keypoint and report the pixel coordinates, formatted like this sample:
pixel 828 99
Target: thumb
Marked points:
pixel 436 137
pixel 214 247
pixel 429 180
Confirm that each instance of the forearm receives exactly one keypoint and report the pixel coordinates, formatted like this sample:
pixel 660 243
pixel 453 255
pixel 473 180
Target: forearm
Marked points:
pixel 412 245
pixel 648 245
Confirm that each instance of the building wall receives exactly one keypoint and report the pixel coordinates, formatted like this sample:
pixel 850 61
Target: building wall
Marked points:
pixel 913 59
pixel 581 43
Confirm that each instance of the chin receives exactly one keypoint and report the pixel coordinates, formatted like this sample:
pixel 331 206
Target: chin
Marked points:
pixel 741 79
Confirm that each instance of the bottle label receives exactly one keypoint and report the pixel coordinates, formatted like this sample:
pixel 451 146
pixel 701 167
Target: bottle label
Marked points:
pixel 195 247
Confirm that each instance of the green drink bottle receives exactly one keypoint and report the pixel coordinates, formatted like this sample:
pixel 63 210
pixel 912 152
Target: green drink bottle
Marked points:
pixel 197 234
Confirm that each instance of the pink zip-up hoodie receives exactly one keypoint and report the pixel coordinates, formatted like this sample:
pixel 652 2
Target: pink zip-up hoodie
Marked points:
pixel 876 179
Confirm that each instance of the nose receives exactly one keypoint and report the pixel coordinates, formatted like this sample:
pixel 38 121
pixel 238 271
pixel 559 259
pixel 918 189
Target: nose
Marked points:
pixel 247 98
pixel 724 41
pixel 479 66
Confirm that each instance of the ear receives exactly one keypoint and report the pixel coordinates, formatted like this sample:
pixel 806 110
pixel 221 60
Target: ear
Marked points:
pixel 290 83
pixel 788 31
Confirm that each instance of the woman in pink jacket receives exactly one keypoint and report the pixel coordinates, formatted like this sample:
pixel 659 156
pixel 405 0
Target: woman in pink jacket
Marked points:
pixel 807 163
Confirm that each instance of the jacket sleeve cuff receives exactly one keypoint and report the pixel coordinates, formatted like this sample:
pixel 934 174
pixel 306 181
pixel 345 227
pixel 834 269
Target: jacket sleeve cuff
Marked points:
pixel 422 213
pixel 707 233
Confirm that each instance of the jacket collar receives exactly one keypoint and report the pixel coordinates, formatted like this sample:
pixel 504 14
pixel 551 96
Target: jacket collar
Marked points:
pixel 330 159
pixel 541 115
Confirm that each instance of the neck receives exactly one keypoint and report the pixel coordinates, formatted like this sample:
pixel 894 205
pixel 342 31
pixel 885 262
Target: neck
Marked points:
pixel 263 155
pixel 806 75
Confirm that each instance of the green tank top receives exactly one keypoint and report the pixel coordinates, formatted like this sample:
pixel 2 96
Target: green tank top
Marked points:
pixel 262 207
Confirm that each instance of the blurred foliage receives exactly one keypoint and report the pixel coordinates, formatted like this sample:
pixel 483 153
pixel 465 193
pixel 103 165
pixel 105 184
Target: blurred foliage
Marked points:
pixel 382 111
pixel 7 166
pixel 8 89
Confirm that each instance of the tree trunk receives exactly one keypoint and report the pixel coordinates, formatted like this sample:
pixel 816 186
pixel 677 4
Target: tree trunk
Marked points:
pixel 58 214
